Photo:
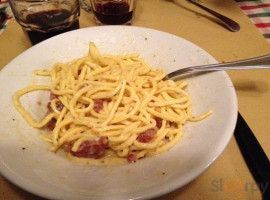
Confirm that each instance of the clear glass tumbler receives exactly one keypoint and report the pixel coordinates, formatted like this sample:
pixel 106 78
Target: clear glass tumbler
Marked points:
pixel 42 19
pixel 113 12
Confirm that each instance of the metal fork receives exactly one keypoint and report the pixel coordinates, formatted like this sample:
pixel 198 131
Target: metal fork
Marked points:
pixel 262 62
pixel 229 23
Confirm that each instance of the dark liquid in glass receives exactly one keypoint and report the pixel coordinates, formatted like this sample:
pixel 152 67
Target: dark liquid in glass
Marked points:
pixel 52 22
pixel 113 12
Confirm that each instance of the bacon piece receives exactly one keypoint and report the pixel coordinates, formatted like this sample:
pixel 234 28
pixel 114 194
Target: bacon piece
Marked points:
pixel 132 157
pixel 158 122
pixel 67 146
pixel 147 136
pixel 98 105
pixel 173 124
pixel 49 108
pixel 91 149
pixel 53 96
pixel 59 106
pixel 51 124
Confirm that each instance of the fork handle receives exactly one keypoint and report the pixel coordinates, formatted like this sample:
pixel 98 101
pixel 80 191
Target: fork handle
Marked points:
pixel 229 23
pixel 256 61
pixel 261 62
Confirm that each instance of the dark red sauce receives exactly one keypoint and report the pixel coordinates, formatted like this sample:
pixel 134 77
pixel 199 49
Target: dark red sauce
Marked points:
pixel 49 23
pixel 113 12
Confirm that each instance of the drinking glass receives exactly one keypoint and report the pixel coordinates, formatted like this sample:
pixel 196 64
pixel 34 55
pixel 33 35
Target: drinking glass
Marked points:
pixel 113 12
pixel 42 19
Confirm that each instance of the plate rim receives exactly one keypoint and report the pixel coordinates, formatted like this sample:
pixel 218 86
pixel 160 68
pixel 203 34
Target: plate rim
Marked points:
pixel 8 172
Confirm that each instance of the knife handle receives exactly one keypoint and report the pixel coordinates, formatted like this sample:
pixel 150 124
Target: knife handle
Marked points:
pixel 254 156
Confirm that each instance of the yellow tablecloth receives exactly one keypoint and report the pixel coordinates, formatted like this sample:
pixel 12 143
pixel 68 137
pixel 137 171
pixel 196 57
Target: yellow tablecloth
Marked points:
pixel 252 86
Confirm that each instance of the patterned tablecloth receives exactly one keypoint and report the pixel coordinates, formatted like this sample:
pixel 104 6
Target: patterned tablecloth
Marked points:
pixel 259 13
pixel 257 10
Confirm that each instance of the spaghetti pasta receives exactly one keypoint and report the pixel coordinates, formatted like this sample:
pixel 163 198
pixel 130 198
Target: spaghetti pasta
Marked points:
pixel 106 108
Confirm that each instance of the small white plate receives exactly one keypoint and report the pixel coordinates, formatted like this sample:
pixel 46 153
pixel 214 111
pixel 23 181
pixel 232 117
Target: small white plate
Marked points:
pixel 26 161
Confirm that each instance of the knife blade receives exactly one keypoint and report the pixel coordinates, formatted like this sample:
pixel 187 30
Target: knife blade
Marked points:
pixel 254 156
pixel 3 17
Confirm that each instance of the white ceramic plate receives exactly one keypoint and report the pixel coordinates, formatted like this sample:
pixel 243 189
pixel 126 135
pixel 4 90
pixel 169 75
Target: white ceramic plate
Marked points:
pixel 26 161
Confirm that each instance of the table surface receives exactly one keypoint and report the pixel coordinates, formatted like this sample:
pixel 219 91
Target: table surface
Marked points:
pixel 252 86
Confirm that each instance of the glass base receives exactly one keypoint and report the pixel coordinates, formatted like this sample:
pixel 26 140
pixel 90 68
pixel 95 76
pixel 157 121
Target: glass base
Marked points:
pixel 98 22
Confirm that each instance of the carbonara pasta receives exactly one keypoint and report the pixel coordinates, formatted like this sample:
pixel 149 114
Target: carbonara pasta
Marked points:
pixel 106 108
